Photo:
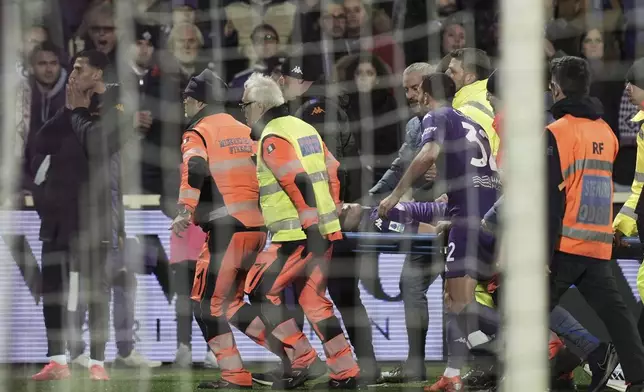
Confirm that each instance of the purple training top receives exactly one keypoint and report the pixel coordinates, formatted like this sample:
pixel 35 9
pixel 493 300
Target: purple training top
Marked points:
pixel 405 217
pixel 470 170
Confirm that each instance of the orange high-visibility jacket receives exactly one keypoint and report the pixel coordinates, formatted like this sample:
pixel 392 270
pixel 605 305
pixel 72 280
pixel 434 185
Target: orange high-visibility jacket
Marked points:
pixel 225 145
pixel 587 150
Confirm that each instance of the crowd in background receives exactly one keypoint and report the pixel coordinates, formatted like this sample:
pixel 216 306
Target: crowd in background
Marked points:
pixel 363 46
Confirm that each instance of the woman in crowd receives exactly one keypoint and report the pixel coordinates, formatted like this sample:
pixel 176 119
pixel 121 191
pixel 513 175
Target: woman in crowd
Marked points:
pixel 373 114
pixel 607 78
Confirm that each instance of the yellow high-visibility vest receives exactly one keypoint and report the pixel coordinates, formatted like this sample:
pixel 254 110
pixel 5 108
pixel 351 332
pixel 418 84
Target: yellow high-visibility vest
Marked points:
pixel 471 100
pixel 625 220
pixel 280 215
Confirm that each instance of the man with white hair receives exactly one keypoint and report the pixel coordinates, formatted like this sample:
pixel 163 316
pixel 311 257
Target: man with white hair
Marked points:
pixel 299 197
pixel 185 42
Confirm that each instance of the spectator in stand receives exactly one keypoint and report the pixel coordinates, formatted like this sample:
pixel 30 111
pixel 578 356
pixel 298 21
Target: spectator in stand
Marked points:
pixel 627 130
pixel 159 117
pixel 47 79
pixel 302 83
pixel 412 79
pixel 185 43
pixel 33 36
pixel 265 44
pixel 330 37
pixel 362 38
pixel 453 36
pixel 607 77
pixel 244 15
pixel 373 113
pixel 98 32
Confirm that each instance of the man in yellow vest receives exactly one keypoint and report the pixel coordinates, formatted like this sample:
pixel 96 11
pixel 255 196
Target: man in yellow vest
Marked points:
pixel 469 68
pixel 299 197
pixel 627 222
pixel 581 152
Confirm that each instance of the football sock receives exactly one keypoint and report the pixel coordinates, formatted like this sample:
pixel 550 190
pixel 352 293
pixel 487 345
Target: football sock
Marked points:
pixel 457 351
pixel 59 359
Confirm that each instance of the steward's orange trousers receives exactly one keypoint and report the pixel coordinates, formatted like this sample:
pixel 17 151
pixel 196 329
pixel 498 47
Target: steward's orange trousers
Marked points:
pixel 281 265
pixel 218 288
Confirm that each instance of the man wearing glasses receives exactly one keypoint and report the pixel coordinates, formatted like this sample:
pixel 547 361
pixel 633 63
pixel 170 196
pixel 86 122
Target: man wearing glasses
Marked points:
pixel 265 45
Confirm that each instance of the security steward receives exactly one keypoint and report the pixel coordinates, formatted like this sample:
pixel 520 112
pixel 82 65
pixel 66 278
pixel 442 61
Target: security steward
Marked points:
pixel 299 190
pixel 630 220
pixel 581 152
pixel 219 192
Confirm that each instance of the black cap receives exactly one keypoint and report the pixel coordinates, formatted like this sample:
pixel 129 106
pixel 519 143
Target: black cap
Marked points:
pixel 635 74
pixel 146 33
pixel 493 82
pixel 304 67
pixel 207 87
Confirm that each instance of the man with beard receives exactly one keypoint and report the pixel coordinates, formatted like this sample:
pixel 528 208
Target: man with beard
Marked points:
pixel 47 81
pixel 184 43
pixel 412 79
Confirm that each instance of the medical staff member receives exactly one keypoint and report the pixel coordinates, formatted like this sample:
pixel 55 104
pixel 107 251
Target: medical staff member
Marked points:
pixel 299 197
pixel 219 192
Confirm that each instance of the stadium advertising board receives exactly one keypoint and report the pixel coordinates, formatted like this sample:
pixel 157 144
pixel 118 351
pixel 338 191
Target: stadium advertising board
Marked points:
pixel 155 325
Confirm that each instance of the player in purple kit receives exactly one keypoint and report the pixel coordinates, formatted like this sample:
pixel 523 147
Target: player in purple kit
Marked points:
pixel 405 217
pixel 473 185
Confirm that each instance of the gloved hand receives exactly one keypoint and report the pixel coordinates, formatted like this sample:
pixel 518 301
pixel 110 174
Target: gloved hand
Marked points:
pixel 315 242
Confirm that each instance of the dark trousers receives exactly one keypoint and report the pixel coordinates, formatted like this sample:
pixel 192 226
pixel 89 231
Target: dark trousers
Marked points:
pixel 418 273
pixel 184 275
pixel 62 327
pixel 94 282
pixel 595 281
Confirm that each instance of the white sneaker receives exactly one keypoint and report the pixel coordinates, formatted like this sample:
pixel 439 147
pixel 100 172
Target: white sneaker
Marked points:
pixel 183 358
pixel 81 360
pixel 136 360
pixel 210 362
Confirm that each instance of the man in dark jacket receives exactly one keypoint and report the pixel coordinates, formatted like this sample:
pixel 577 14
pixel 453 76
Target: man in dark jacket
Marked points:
pixel 412 78
pixel 309 100
pixel 82 225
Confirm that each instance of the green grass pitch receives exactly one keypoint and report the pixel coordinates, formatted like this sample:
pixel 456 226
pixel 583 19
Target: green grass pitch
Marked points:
pixel 16 378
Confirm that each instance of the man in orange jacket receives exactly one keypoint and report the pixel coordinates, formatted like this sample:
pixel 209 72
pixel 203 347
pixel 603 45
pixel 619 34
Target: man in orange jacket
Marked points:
pixel 581 152
pixel 219 192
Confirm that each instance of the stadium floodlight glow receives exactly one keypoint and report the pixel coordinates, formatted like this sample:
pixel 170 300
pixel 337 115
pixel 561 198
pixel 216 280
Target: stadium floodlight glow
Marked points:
pixel 523 253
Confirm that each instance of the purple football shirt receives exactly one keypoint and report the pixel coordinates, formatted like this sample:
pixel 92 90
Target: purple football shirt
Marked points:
pixel 405 217
pixel 469 169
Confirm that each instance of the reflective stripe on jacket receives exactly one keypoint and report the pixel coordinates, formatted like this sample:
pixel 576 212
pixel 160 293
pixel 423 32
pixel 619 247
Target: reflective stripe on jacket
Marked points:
pixel 587 150
pixel 625 221
pixel 471 100
pixel 226 146
pixel 280 213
